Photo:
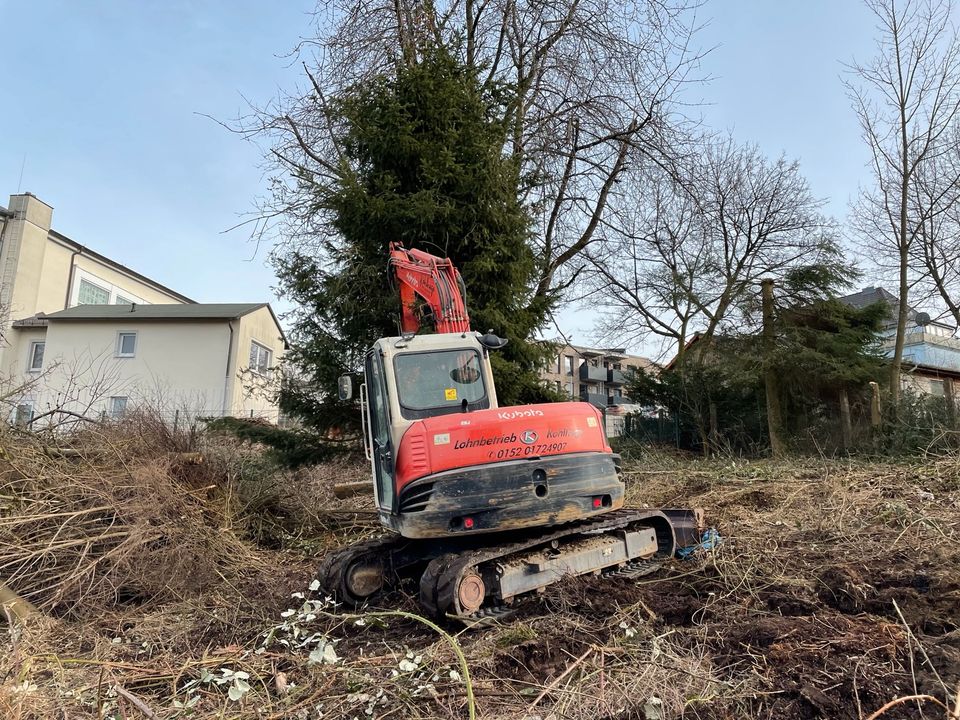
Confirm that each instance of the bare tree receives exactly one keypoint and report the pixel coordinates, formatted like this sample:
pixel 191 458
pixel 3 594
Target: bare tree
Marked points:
pixel 935 201
pixel 694 250
pixel 907 98
pixel 595 93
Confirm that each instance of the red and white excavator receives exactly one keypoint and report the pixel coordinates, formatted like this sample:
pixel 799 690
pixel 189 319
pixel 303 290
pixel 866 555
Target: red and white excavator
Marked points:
pixel 484 503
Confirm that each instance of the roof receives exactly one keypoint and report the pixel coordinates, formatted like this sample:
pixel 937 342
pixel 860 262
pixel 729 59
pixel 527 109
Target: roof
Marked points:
pixel 158 311
pixel 687 345
pixel 869 296
pixel 872 295
pixel 610 353
pixel 32 321
pixel 83 250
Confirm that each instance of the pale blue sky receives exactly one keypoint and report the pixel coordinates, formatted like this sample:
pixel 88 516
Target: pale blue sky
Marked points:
pixel 104 99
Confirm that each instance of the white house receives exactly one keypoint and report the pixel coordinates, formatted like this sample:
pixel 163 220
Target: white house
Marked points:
pixel 84 334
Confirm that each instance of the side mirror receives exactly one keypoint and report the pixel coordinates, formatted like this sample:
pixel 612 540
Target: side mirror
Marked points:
pixel 491 341
pixel 345 387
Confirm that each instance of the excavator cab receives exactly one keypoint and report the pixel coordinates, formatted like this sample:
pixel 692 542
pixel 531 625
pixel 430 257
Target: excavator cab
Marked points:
pixel 408 379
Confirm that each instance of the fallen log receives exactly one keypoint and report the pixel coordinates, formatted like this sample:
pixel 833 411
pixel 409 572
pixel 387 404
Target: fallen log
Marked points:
pixel 345 490
pixel 188 458
pixel 14 605
pixel 56 452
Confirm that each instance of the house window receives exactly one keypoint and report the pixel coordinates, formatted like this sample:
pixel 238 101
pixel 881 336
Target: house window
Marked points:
pixel 126 344
pixel 89 289
pixel 91 294
pixel 23 415
pixel 260 357
pixel 936 388
pixel 36 357
pixel 570 365
pixel 118 406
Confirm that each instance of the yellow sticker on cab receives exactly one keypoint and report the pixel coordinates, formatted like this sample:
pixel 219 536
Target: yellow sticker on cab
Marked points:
pixel 449 393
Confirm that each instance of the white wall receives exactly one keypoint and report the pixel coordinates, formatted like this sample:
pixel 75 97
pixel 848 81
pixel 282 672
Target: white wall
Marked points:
pixel 180 368
pixel 177 366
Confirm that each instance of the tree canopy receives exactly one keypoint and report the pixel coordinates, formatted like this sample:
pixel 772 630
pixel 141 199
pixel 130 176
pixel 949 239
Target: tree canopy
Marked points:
pixel 821 348
pixel 421 162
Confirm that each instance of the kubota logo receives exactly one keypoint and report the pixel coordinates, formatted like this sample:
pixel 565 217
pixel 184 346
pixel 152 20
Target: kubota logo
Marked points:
pixel 514 414
pixel 528 437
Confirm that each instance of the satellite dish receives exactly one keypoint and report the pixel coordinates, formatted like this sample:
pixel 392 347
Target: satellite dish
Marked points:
pixel 923 319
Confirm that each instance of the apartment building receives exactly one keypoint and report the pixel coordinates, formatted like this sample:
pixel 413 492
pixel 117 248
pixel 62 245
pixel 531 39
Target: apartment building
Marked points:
pixel 594 375
pixel 931 351
pixel 87 335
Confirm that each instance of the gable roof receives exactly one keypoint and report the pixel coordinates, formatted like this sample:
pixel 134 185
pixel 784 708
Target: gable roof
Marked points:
pixel 84 250
pixel 869 296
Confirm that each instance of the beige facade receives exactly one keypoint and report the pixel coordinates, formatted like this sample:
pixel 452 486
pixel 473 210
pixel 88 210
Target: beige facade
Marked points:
pixel 42 271
pixel 253 393
pixel 181 367
pixel 189 359
pixel 593 375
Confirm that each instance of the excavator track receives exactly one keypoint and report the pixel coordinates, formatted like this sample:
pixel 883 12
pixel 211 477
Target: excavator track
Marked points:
pixel 442 585
pixel 486 580
pixel 341 573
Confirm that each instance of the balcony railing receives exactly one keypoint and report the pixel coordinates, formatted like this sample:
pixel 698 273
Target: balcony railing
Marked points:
pixel 615 377
pixel 590 373
pixel 598 399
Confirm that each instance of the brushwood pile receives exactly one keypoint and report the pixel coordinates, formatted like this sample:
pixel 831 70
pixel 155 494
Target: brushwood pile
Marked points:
pixel 160 574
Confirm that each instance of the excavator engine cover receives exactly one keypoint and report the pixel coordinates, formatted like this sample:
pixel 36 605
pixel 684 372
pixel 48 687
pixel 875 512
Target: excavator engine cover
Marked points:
pixel 504 469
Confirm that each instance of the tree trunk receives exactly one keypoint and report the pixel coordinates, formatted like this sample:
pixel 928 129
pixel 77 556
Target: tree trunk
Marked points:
pixel 14 604
pixel 770 381
pixel 951 401
pixel 897 362
pixel 875 417
pixel 846 427
pixel 714 429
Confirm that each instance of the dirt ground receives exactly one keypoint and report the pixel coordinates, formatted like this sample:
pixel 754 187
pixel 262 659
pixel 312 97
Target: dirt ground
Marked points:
pixel 835 591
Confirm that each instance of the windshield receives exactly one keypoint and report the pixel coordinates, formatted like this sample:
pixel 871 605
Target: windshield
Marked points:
pixel 439 380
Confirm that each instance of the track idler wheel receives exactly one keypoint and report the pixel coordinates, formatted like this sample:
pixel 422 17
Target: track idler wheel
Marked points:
pixel 470 593
pixel 362 579
pixel 353 575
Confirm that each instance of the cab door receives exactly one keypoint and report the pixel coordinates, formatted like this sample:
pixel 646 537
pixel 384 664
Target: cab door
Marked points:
pixel 381 443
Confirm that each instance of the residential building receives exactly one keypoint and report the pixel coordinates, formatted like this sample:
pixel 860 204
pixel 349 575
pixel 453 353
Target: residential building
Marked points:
pixel 85 334
pixel 931 352
pixel 594 375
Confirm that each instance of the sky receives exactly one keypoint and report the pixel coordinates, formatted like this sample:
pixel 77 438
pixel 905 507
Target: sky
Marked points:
pixel 104 108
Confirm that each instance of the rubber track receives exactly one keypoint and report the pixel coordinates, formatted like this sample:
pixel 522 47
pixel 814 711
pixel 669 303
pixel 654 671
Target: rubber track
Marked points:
pixel 333 567
pixel 439 582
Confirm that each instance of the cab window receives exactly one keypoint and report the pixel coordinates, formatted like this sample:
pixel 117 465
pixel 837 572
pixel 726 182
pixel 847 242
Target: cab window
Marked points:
pixel 434 383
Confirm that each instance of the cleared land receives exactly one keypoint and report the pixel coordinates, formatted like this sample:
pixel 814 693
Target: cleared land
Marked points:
pixel 165 590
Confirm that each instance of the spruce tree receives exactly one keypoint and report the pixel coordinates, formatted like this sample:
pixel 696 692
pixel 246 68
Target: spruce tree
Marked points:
pixel 421 162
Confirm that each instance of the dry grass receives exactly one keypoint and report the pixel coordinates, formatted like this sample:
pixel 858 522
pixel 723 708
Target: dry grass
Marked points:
pixel 155 589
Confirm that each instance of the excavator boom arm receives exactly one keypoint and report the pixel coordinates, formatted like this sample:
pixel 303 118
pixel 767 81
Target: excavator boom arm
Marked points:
pixel 437 282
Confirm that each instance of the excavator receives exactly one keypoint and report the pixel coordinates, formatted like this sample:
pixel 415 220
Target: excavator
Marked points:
pixel 484 504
